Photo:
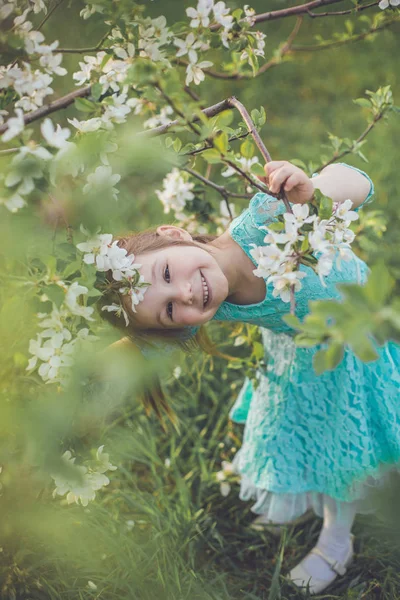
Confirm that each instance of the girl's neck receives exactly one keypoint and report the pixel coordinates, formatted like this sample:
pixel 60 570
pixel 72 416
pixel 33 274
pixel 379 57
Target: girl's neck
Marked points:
pixel 244 286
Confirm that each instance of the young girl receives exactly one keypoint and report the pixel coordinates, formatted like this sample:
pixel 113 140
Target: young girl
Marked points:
pixel 309 441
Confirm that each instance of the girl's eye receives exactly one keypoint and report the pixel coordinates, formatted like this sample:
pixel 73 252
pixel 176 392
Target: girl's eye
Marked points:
pixel 167 278
pixel 165 274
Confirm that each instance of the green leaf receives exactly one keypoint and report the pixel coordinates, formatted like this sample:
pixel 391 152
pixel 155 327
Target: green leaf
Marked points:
pixel 325 208
pixel 363 102
pixel 364 349
pixel 224 119
pixel 258 350
pixel 71 268
pixel 177 145
pixel 221 142
pixel 168 142
pixel 334 354
pixel 304 245
pixel 320 362
pixel 258 170
pixel 55 293
pixel 84 105
pixel 379 285
pixel 292 321
pixel 247 149
pixel 212 156
pixel 96 91
pixel 276 226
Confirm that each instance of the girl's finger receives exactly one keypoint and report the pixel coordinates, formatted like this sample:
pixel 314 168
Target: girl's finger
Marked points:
pixel 292 181
pixel 273 165
pixel 278 177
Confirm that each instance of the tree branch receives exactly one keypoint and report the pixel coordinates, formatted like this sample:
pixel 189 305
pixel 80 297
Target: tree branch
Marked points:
pixel 286 12
pixel 211 111
pixel 355 38
pixel 47 109
pixel 354 10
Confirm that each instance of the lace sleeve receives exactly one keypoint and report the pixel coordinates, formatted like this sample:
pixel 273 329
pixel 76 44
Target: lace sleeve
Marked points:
pixel 371 189
pixel 265 208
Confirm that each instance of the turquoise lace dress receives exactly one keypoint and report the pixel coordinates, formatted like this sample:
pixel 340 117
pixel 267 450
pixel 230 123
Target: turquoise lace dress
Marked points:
pixel 306 435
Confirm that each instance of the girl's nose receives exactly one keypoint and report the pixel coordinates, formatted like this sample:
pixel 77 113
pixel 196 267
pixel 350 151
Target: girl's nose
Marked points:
pixel 185 294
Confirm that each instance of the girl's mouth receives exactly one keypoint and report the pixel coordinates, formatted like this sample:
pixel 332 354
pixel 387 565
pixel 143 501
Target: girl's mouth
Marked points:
pixel 206 291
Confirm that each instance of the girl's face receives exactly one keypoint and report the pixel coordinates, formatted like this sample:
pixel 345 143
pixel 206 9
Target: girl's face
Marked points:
pixel 187 287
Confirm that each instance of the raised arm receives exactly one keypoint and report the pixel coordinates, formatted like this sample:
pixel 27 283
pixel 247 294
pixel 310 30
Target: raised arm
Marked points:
pixel 341 182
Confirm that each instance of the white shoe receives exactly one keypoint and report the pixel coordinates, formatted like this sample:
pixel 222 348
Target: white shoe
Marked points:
pixel 276 529
pixel 302 579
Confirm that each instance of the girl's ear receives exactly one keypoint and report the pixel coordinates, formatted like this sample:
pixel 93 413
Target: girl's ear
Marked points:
pixel 175 233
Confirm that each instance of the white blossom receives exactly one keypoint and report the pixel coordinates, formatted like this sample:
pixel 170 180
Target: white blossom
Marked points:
pixel 13 203
pixel 6 9
pixel 245 165
pixel 86 126
pixel 188 46
pixel 176 191
pixel 103 179
pixel 160 119
pixel 195 73
pixel 222 16
pixel 343 212
pixel 51 63
pixel 91 9
pixel 225 488
pixel 82 483
pixel 54 354
pixel 15 126
pixel 249 14
pixel 119 310
pixel 284 282
pixel 386 3
pixel 71 301
pixel 200 15
pixel 54 137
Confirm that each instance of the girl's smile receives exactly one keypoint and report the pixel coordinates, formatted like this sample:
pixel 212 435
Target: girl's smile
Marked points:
pixel 189 283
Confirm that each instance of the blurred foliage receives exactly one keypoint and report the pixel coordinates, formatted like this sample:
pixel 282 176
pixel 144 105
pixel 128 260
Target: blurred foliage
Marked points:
pixel 162 529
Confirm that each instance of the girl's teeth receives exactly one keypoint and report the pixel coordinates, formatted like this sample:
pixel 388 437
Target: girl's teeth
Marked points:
pixel 205 290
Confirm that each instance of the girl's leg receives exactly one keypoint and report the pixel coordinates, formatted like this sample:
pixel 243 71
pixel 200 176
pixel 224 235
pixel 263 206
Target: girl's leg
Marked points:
pixel 334 539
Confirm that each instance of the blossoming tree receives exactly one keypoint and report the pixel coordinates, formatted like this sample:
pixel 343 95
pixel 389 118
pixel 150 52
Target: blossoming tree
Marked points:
pixel 145 84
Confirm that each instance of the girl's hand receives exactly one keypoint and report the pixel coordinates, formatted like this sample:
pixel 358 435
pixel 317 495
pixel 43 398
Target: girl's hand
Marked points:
pixel 295 183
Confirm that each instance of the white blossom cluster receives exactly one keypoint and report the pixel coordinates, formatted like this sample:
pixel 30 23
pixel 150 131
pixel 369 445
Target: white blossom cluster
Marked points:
pixel 53 347
pixel 106 255
pixel 224 476
pixel 32 86
pixel 278 261
pixel 176 191
pixel 386 3
pixel 83 483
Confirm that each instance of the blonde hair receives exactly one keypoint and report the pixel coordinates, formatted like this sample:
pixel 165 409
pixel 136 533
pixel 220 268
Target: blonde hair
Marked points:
pixel 139 243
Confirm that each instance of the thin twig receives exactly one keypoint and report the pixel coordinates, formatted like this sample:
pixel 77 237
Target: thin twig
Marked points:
pixel 206 146
pixel 53 8
pixel 355 38
pixel 357 141
pixel 176 109
pixel 350 11
pixel 220 189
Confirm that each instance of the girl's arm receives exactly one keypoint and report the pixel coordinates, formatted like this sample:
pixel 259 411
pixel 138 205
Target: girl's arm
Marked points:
pixel 340 183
